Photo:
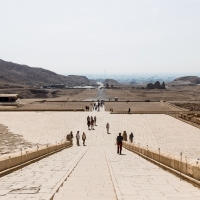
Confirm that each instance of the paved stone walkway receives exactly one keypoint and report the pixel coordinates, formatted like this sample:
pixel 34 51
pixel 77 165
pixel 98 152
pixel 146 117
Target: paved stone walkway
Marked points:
pixel 103 174
pixel 91 179
pixel 42 179
pixel 94 172
pixel 156 131
pixel 136 178
pixel 99 173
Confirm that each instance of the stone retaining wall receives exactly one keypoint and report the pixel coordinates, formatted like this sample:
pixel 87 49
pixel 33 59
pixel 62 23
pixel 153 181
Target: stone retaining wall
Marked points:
pixel 181 164
pixel 191 117
pixel 41 110
pixel 15 159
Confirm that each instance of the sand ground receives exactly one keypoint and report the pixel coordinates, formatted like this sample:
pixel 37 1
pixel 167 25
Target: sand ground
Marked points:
pixel 59 94
pixel 176 93
pixel 10 142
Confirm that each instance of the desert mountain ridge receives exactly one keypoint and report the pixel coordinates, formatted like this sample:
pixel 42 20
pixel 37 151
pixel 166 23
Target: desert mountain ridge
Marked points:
pixel 111 82
pixel 185 80
pixel 192 79
pixel 12 73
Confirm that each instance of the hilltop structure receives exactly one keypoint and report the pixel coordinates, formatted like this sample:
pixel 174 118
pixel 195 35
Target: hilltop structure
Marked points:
pixel 156 85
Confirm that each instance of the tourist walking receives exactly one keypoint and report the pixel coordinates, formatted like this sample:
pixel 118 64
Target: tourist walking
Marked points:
pixel 119 144
pixel 92 123
pixel 107 127
pixel 83 138
pixel 88 124
pixel 70 137
pixel 124 136
pixel 129 110
pixel 88 118
pixel 131 137
pixel 77 138
pixel 98 104
pixel 95 120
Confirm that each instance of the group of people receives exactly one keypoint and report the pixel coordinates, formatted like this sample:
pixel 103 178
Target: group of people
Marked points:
pixel 119 142
pixel 91 122
pixel 96 106
pixel 78 137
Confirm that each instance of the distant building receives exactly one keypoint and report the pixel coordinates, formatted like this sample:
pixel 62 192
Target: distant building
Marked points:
pixel 6 98
pixel 58 86
pixel 53 86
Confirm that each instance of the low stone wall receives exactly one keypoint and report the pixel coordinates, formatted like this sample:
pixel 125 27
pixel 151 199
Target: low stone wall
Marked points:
pixel 170 104
pixel 21 109
pixel 15 159
pixel 145 112
pixel 190 168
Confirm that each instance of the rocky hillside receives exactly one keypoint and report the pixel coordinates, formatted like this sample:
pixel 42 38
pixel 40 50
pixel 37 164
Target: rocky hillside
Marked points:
pixel 191 79
pixel 184 81
pixel 12 73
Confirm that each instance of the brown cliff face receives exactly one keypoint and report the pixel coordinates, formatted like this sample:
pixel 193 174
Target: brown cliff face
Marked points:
pixel 11 73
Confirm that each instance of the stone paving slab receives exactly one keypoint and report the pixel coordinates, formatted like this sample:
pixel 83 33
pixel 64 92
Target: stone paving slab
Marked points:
pixel 42 179
pixel 136 178
pixel 90 179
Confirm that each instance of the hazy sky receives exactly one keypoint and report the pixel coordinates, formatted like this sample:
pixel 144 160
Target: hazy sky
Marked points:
pixel 88 36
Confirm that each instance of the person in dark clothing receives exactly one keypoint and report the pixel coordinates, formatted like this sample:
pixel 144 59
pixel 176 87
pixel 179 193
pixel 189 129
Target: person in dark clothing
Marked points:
pixel 131 137
pixel 129 110
pixel 95 120
pixel 119 144
pixel 92 123
pixel 88 123
pixel 71 134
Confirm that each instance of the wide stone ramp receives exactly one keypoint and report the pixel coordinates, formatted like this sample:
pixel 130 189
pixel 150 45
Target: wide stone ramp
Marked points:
pixel 41 179
pixel 136 178
pixel 90 179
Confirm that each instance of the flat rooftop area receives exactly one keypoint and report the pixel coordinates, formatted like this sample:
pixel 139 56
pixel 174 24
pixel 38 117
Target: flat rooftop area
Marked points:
pixel 45 105
pixel 139 106
pixel 157 131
